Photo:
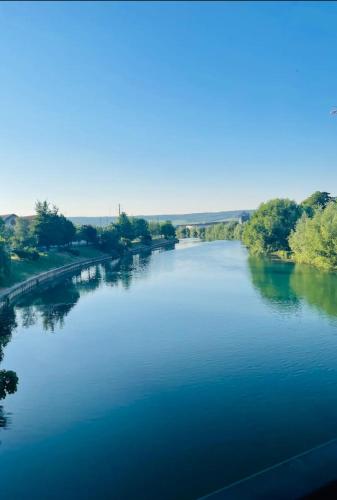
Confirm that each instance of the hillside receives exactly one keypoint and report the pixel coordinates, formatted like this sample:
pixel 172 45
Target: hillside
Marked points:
pixel 176 219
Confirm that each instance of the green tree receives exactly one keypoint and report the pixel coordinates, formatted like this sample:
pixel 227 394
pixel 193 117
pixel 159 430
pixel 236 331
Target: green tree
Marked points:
pixel 238 231
pixel 22 236
pixel 64 230
pixel 88 233
pixel 319 199
pixel 44 224
pixel 183 232
pixel 109 239
pixel 140 229
pixel 125 227
pixel 270 226
pixel 5 262
pixel 167 230
pixel 154 228
pixel 314 241
pixel 50 228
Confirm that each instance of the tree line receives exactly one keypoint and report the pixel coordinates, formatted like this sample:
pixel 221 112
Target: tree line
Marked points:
pixel 48 228
pixel 223 231
pixel 305 232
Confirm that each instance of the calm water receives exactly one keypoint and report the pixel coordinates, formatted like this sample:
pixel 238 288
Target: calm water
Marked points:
pixel 168 376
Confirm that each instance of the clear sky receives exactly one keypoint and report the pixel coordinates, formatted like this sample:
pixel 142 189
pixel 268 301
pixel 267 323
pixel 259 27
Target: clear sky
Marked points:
pixel 166 107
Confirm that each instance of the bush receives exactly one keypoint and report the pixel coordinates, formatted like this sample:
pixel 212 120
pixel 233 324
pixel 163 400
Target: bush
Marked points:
pixel 26 253
pixel 314 241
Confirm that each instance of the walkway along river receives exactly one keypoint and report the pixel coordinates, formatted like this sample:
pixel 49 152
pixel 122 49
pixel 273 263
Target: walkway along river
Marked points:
pixel 9 295
pixel 168 375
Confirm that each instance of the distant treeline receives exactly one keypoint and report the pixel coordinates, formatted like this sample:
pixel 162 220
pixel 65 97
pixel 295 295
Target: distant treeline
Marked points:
pixel 223 231
pixel 48 228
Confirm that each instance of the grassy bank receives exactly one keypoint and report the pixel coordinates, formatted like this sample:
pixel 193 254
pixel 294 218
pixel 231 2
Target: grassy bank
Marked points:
pixel 22 269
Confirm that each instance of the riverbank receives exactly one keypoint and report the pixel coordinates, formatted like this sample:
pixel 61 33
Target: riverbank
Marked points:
pixel 22 269
pixel 27 275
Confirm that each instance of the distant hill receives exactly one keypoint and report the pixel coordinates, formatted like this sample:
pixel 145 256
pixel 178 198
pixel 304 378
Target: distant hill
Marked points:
pixel 176 219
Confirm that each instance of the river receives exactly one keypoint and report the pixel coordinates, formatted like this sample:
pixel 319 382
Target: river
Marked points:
pixel 167 376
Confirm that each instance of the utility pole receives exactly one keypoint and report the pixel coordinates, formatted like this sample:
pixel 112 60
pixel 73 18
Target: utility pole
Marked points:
pixel 119 208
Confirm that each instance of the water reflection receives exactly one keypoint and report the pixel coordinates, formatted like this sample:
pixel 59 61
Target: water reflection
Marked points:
pixel 273 281
pixel 285 285
pixel 8 378
pixel 317 288
pixel 50 307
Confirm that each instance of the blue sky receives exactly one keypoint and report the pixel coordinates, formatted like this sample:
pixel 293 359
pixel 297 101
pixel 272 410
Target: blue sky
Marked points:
pixel 166 107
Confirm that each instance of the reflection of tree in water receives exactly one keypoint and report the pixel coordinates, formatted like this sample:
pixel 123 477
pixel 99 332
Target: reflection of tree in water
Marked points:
pixel 128 268
pixel 284 285
pixel 54 303
pixel 88 280
pixel 8 378
pixel 52 306
pixel 7 325
pixel 318 288
pixel 273 281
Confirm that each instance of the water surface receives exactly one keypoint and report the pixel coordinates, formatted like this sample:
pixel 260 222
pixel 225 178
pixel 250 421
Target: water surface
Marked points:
pixel 168 376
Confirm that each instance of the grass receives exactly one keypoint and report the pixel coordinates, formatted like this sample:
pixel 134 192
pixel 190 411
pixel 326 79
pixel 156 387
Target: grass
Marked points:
pixel 22 269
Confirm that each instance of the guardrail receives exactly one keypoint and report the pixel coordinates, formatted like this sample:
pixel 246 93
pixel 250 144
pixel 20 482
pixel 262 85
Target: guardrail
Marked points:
pixel 8 295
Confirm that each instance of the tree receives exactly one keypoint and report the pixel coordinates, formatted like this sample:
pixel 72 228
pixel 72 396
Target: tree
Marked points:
pixel 50 228
pixel 270 226
pixel 167 230
pixel 23 236
pixel 182 232
pixel 319 199
pixel 125 227
pixel 140 228
pixel 222 231
pixel 44 224
pixel 5 262
pixel 109 238
pixel 88 233
pixel 314 241
pixel 64 230
pixel 154 228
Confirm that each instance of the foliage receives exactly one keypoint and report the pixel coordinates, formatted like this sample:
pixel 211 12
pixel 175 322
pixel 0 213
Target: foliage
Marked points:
pixel 182 232
pixel 140 228
pixel 314 241
pixel 125 227
pixel 22 234
pixel 270 226
pixel 167 230
pixel 238 231
pixel 222 231
pixel 50 228
pixel 154 228
pixel 319 199
pixel 26 253
pixel 5 263
pixel 108 238
pixel 88 234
